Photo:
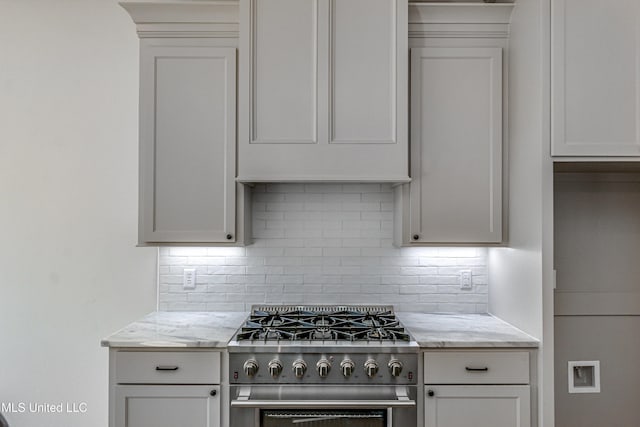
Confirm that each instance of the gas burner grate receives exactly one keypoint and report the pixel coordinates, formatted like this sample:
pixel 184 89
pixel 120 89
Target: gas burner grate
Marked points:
pixel 322 323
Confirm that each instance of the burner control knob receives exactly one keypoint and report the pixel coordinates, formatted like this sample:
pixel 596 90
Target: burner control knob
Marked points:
pixel 347 367
pixel 324 366
pixel 371 368
pixel 395 367
pixel 299 368
pixel 251 367
pixel 275 368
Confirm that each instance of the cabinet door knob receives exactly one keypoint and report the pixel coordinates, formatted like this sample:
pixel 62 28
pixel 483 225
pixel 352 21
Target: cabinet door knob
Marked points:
pixel 229 236
pixel 416 236
pixel 213 392
pixel 431 393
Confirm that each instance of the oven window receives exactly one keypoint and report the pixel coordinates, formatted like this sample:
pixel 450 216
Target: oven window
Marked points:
pixel 328 418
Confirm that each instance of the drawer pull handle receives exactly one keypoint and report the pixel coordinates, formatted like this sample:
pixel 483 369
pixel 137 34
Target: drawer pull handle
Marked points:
pixel 166 368
pixel 485 369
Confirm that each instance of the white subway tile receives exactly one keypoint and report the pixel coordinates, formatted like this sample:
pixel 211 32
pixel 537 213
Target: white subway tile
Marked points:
pixel 323 243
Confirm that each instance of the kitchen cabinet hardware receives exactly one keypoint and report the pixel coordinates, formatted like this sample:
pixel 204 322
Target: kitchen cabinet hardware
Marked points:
pixel 492 390
pixel 416 237
pixel 147 385
pixel 468 369
pixel 229 236
pixel 167 368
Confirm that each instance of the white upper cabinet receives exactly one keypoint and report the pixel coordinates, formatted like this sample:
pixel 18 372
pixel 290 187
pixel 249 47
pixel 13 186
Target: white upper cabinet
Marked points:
pixel 187 153
pixel 457 90
pixel 595 78
pixel 323 90
pixel 456 135
pixel 188 74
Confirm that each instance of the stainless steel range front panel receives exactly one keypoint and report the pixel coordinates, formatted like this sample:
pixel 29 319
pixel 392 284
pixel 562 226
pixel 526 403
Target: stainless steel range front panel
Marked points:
pixel 335 374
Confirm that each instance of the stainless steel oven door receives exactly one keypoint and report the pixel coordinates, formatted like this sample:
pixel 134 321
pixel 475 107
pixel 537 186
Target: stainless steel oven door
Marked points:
pixel 323 406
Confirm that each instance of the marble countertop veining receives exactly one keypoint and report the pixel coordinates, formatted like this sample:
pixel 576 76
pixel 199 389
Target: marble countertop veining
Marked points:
pixel 215 330
pixel 178 329
pixel 463 330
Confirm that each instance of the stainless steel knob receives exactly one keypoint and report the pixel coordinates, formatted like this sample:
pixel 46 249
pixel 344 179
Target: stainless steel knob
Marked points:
pixel 347 366
pixel 275 368
pixel 251 367
pixel 323 366
pixel 371 368
pixel 395 367
pixel 299 368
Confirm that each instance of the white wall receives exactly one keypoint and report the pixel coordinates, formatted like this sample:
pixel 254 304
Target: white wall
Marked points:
pixel 517 273
pixel 70 273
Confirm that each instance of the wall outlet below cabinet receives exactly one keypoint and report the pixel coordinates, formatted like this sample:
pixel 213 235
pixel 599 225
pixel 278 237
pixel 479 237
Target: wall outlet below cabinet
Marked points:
pixel 189 278
pixel 465 279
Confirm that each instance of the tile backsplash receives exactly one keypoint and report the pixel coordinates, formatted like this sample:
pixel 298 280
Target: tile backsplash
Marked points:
pixel 323 244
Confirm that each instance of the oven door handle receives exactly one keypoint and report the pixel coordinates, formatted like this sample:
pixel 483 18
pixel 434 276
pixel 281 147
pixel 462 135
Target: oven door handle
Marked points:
pixel 324 404
pixel 244 401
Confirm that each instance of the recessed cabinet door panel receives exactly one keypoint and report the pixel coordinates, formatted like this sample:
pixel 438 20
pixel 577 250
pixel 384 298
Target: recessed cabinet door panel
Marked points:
pixel 284 50
pixel 477 406
pixel 187 153
pixel 596 78
pixel 167 406
pixel 363 109
pixel 456 137
pixel 323 90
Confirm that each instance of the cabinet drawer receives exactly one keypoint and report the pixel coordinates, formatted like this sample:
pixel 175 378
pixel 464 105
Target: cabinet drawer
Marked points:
pixel 491 367
pixel 167 367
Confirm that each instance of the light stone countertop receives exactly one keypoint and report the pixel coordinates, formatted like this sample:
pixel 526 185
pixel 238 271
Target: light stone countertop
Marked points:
pixel 463 331
pixel 215 330
pixel 179 329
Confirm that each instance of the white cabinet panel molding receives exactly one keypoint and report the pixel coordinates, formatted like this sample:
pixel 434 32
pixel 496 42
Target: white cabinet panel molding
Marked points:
pixel 323 91
pixel 456 137
pixel 187 144
pixel 595 78
pixel 363 109
pixel 283 75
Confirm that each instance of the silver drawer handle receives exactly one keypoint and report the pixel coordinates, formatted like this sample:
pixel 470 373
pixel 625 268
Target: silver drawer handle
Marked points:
pixel 166 368
pixel 485 369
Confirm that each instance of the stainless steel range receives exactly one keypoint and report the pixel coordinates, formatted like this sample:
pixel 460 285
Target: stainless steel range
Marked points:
pixel 313 366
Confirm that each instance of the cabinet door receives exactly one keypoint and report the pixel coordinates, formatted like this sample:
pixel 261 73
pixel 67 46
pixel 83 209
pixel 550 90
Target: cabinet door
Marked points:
pixel 167 406
pixel 456 145
pixel 595 78
pixel 187 144
pixel 323 90
pixel 477 406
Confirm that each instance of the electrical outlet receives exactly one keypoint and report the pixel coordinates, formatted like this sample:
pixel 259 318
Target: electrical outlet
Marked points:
pixel 189 278
pixel 465 280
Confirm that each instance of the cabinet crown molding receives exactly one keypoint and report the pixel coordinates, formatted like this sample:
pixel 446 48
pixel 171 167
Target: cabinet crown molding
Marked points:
pixel 176 18
pixel 478 20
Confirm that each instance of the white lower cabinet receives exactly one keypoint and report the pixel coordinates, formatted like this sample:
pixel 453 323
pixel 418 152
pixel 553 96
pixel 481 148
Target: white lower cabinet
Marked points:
pixel 477 406
pixel 164 388
pixel 477 388
pixel 167 406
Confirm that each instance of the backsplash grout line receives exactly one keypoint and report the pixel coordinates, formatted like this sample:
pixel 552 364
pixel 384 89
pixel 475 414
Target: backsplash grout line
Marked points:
pixel 323 244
